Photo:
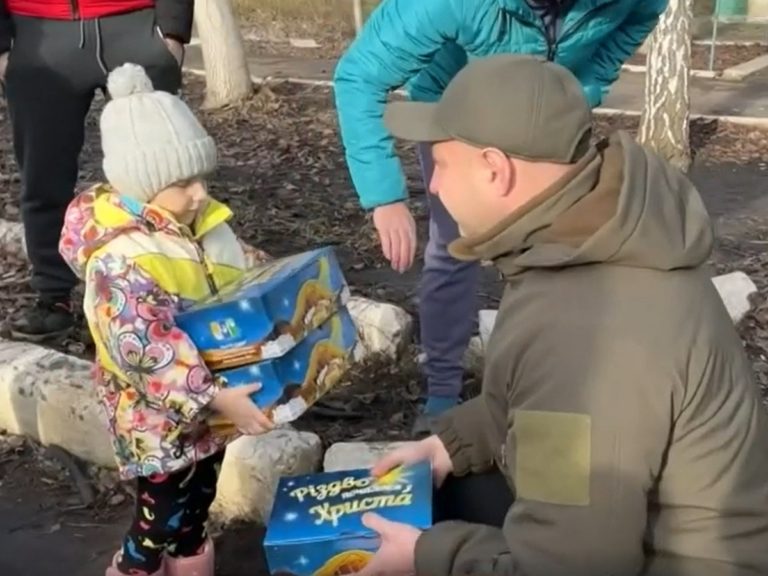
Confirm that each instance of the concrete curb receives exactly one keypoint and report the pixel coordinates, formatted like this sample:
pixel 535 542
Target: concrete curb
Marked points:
pixel 731 42
pixel 350 455
pixel 735 73
pixel 252 468
pixel 756 121
pixel 268 79
pixel 745 69
pixel 50 397
pixel 638 69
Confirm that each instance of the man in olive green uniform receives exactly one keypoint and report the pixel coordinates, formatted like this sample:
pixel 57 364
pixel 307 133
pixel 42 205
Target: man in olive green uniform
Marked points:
pixel 619 428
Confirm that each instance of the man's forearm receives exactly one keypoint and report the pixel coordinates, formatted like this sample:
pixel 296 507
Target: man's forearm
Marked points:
pixel 463 432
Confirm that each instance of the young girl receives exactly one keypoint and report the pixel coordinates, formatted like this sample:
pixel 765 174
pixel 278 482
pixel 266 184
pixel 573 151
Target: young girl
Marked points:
pixel 148 243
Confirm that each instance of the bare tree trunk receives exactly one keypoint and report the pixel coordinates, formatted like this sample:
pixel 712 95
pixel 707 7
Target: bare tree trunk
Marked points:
pixel 665 118
pixel 227 78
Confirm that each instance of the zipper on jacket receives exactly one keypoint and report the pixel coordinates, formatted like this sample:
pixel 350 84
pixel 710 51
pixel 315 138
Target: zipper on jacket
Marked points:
pixel 208 276
pixel 187 234
pixel 584 17
pixel 551 36
pixel 201 255
pixel 75 9
pixel 554 40
pixel 539 26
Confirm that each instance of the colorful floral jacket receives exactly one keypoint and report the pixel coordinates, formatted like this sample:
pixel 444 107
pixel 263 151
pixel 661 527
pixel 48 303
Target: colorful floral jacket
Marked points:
pixel 140 267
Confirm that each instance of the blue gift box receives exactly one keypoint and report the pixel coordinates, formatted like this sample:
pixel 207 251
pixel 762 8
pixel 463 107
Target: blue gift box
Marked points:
pixel 268 311
pixel 316 523
pixel 293 382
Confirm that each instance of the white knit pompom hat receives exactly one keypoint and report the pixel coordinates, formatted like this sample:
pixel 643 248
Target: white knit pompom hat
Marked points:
pixel 150 139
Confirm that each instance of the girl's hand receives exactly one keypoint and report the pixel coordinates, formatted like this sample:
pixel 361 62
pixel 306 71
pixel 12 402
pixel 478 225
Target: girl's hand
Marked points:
pixel 236 405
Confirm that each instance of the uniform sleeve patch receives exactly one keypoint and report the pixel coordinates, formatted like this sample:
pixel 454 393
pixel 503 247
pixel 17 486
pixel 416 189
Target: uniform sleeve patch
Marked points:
pixel 552 457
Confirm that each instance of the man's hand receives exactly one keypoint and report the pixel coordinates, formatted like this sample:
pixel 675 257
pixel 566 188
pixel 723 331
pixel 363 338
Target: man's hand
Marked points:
pixel 397 554
pixel 431 449
pixel 3 65
pixel 176 48
pixel 236 405
pixel 397 234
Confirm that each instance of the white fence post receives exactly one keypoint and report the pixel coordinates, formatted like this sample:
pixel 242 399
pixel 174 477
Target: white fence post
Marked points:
pixel 715 20
pixel 357 6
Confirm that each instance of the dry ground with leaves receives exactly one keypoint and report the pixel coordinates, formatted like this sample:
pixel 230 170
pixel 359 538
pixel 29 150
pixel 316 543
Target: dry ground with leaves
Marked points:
pixel 269 24
pixel 283 173
pixel 725 56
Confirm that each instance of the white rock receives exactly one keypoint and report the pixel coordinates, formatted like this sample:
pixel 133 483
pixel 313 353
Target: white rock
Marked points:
pixel 12 238
pixel 303 43
pixel 353 455
pixel 252 468
pixel 474 355
pixel 735 289
pixel 382 328
pixel 486 320
pixel 50 397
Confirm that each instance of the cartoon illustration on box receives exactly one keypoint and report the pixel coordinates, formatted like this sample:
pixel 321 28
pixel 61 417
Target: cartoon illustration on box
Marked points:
pixel 295 381
pixel 268 311
pixel 316 524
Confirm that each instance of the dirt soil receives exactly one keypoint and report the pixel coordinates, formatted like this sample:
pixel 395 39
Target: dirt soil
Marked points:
pixel 257 44
pixel 726 56
pixel 329 37
pixel 55 522
pixel 283 173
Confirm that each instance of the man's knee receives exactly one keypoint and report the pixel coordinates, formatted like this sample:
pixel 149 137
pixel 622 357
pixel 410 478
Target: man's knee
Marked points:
pixel 478 498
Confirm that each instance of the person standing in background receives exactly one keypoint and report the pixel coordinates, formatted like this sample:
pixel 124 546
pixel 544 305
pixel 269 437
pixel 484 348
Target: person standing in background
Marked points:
pixel 54 55
pixel 421 46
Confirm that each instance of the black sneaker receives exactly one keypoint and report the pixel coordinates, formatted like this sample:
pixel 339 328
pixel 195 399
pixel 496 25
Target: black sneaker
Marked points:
pixel 46 319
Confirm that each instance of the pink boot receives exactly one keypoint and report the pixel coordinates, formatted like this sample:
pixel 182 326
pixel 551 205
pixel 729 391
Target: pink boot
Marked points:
pixel 200 565
pixel 113 571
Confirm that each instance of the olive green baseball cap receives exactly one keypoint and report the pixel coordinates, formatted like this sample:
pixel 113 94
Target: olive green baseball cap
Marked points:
pixel 523 105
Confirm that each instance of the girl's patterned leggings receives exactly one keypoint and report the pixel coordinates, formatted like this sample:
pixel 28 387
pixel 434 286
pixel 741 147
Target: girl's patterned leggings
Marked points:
pixel 171 513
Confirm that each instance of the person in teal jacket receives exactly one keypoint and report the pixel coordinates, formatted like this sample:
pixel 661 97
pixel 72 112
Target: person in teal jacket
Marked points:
pixel 419 45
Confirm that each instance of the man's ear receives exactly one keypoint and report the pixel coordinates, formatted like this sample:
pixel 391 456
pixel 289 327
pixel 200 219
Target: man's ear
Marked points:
pixel 501 170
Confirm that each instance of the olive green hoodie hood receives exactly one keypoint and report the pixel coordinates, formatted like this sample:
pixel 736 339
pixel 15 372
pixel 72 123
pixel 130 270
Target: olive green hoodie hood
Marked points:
pixel 620 204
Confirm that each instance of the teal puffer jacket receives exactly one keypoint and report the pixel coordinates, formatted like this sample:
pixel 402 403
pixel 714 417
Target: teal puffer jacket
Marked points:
pixel 421 44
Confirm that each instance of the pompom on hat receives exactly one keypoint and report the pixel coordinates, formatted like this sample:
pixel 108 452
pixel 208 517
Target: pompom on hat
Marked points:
pixel 150 138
